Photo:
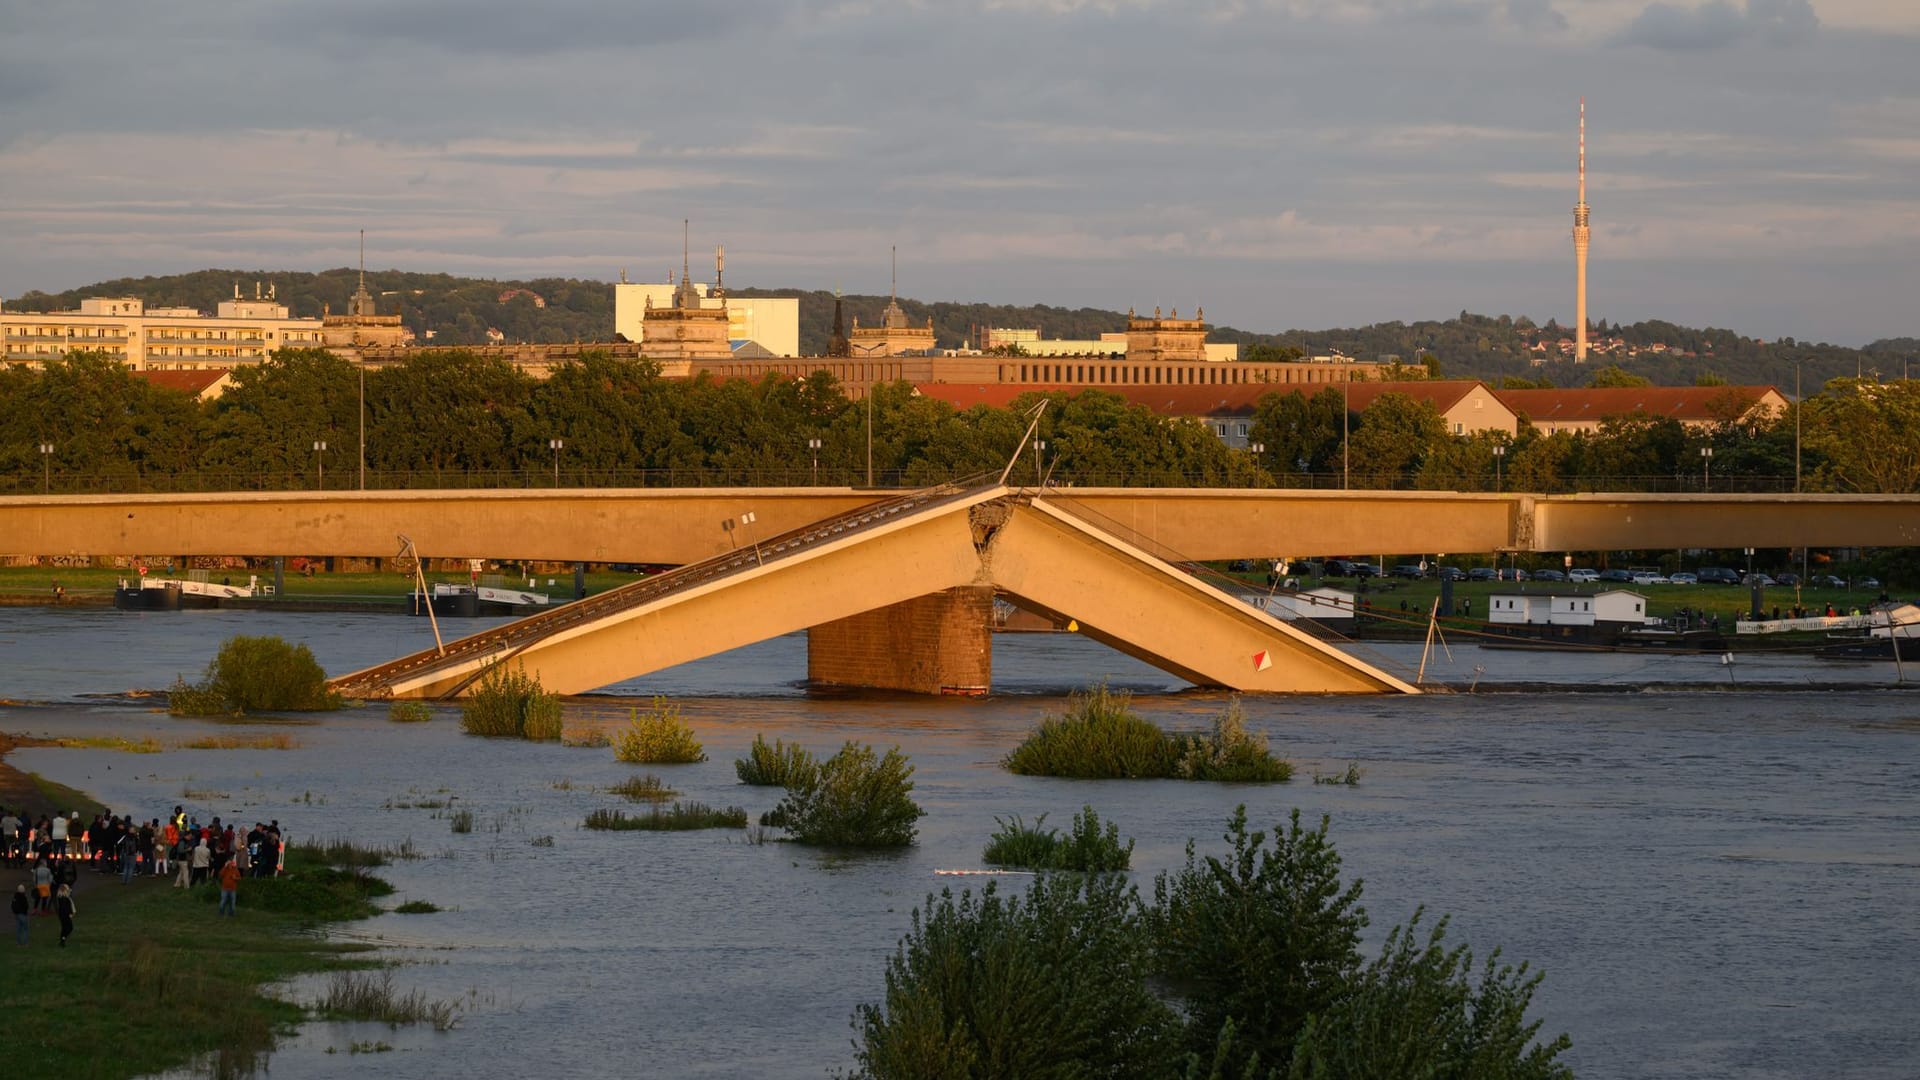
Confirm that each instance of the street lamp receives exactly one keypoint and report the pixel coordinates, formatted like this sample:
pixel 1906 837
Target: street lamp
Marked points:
pixel 1499 455
pixel 1706 468
pixel 814 445
pixel 1799 403
pixel 319 463
pixel 1039 447
pixel 556 445
pixel 46 467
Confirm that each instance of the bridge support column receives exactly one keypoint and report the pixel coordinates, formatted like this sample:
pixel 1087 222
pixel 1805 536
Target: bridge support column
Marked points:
pixel 941 643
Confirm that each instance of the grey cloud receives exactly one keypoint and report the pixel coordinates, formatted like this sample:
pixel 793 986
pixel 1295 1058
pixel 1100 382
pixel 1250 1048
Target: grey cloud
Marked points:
pixel 1720 23
pixel 1535 15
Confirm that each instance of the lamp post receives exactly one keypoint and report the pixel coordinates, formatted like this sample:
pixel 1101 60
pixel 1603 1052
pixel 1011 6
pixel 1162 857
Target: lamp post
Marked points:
pixel 363 427
pixel 320 464
pixel 46 467
pixel 1346 411
pixel 1799 404
pixel 814 445
pixel 1706 468
pixel 868 351
pixel 556 445
pixel 1499 455
pixel 1039 447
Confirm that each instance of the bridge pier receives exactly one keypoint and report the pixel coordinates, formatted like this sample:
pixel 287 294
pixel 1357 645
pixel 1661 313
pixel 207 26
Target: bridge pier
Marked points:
pixel 941 643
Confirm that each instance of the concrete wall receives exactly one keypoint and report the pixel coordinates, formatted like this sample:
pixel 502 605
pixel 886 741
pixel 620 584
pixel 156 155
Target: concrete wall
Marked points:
pixel 937 644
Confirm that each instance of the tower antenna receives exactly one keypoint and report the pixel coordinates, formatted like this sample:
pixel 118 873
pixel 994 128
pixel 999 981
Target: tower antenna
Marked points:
pixel 1582 235
pixel 893 291
pixel 363 260
pixel 686 233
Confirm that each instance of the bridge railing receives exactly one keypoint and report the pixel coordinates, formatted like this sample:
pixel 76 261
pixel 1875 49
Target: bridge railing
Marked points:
pixel 504 641
pixel 344 476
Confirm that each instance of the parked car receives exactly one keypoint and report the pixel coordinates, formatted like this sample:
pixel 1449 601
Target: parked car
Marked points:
pixel 1549 575
pixel 1481 573
pixel 1513 573
pixel 1584 576
pixel 1240 566
pixel 1718 575
pixel 1684 578
pixel 1648 577
pixel 1867 583
pixel 1450 573
pixel 1827 581
pixel 1616 576
pixel 1407 570
pixel 1363 569
pixel 1336 568
pixel 1761 580
pixel 1788 580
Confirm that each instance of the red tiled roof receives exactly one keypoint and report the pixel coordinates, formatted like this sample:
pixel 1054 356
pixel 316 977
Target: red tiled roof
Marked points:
pixel 1236 399
pixel 1686 403
pixel 187 382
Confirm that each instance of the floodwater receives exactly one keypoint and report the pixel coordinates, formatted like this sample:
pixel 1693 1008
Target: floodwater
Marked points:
pixel 1716 884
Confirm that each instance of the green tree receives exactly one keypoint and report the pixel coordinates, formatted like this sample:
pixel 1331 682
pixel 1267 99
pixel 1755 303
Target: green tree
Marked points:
pixel 1613 375
pixel 266 423
pixel 1393 437
pixel 1295 428
pixel 1049 986
pixel 1264 938
pixel 1867 435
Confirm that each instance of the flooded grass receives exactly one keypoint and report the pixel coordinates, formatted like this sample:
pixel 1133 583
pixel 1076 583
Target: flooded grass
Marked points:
pixel 195 794
pixel 586 738
pixel 679 816
pixel 417 907
pixel 277 741
pixel 350 854
pixel 778 765
pixel 462 821
pixel 511 704
pixel 1350 777
pixel 111 742
pixel 1100 737
pixel 644 788
pixel 369 995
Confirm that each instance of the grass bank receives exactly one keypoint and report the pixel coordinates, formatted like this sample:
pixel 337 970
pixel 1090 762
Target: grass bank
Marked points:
pixel 153 973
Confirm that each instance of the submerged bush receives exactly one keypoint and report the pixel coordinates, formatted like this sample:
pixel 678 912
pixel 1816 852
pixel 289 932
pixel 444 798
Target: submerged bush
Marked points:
pixel 854 799
pixel 1087 847
pixel 779 765
pixel 659 736
pixel 255 674
pixel 409 712
pixel 1231 753
pixel 508 703
pixel 1098 737
pixel 679 816
pixel 643 788
pixel 1053 983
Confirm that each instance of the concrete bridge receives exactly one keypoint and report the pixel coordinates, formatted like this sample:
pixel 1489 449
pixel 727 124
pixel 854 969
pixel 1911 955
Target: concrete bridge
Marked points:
pixel 898 595
pixel 895 590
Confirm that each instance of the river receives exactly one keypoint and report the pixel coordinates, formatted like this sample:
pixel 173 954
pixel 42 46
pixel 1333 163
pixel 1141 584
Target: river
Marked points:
pixel 1717 882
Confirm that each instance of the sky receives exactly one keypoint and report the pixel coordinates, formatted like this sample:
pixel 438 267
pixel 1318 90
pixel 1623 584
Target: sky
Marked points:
pixel 1307 164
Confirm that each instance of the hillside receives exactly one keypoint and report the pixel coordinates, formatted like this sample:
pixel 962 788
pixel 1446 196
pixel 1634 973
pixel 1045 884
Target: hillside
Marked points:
pixel 459 311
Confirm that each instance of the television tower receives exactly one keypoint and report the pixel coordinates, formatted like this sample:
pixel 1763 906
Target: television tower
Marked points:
pixel 1581 235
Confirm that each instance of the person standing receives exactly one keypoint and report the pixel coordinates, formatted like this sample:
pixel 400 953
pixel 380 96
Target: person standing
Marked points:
pixel 57 832
pixel 20 924
pixel 182 862
pixel 229 887
pixel 42 887
pixel 64 908
pixel 201 860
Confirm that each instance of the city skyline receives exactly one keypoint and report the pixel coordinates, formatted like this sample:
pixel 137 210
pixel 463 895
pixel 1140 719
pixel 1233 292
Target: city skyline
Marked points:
pixel 1295 164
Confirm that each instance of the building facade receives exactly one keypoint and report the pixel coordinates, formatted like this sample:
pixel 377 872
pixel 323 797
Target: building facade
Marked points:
pixel 162 339
pixel 771 323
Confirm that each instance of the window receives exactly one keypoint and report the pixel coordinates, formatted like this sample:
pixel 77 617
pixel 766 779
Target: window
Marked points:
pixel 1459 429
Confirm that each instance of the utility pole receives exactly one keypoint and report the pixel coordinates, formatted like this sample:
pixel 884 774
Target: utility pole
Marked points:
pixel 1798 406
pixel 556 445
pixel 814 445
pixel 319 463
pixel 1346 411
pixel 870 435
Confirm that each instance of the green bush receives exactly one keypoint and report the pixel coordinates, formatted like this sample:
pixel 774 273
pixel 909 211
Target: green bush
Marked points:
pixel 1231 753
pixel 409 712
pixel 679 816
pixel 1050 984
pixel 511 704
pixel 1098 737
pixel 1086 848
pixel 779 765
pixel 659 736
pixel 256 674
pixel 1415 1011
pixel 854 799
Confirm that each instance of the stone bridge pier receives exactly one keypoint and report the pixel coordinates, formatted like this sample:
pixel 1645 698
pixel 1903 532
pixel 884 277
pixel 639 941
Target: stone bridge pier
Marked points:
pixel 941 643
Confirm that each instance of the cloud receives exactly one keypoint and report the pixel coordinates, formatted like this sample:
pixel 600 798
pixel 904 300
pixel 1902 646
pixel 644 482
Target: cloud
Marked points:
pixel 1717 24
pixel 1535 15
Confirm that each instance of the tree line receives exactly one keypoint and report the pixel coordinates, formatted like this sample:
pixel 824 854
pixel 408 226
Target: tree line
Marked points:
pixel 454 418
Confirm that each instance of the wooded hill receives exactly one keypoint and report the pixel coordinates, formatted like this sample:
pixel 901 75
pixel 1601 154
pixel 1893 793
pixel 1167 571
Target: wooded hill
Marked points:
pixel 453 310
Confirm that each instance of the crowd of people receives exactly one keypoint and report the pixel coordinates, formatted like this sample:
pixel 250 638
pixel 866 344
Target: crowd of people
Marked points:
pixel 54 850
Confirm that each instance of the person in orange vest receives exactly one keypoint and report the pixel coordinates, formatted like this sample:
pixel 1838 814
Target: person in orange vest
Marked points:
pixel 229 887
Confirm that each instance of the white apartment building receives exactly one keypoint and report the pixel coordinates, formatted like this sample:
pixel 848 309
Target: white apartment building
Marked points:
pixel 157 339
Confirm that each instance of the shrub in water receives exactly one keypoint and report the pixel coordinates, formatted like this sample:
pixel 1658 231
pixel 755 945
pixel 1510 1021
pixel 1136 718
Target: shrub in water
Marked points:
pixel 1051 983
pixel 679 816
pixel 855 799
pixel 509 703
pixel 779 765
pixel 1231 753
pixel 643 788
pixel 1098 737
pixel 1087 847
pixel 256 674
pixel 409 712
pixel 658 736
